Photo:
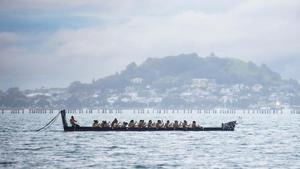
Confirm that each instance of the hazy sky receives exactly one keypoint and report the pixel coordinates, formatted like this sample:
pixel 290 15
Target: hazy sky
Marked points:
pixel 54 42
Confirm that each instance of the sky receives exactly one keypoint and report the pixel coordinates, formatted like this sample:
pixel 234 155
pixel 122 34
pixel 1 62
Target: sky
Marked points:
pixel 51 43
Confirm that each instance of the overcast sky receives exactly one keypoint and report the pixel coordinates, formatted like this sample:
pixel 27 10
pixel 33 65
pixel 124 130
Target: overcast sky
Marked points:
pixel 54 42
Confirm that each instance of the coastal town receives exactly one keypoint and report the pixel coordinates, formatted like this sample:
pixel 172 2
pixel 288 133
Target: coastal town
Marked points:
pixel 198 93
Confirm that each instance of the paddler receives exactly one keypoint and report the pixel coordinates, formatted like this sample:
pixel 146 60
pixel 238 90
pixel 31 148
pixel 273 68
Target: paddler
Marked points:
pixel 73 122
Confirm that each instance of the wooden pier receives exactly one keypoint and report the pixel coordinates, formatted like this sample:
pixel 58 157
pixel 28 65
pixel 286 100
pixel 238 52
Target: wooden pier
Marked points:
pixel 152 111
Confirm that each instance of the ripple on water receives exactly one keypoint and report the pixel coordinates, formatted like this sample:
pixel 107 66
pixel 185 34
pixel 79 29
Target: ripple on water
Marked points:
pixel 6 164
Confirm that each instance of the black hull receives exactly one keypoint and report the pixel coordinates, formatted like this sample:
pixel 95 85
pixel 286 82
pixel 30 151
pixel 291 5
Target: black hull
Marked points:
pixel 144 129
pixel 224 127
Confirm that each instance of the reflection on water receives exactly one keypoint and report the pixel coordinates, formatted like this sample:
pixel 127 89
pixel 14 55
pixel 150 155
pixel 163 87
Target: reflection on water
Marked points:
pixel 260 141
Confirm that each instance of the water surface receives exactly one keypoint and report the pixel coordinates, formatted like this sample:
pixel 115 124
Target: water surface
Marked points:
pixel 260 141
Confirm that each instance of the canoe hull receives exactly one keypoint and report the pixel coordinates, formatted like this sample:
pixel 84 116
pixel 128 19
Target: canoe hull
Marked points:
pixel 224 127
pixel 145 129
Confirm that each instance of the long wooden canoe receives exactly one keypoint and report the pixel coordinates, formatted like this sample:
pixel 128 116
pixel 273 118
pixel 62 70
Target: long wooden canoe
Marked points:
pixel 224 127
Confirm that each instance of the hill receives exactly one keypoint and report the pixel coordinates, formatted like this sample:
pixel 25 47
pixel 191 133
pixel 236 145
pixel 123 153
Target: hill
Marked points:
pixel 172 71
pixel 185 80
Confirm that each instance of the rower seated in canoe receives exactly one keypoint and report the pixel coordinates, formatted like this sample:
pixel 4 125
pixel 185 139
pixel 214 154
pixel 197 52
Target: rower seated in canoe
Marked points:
pixel 167 125
pixel 150 124
pixel 184 124
pixel 73 122
pixel 104 124
pixel 96 123
pixel 141 124
pixel 176 124
pixel 195 126
pixel 114 123
pixel 124 125
pixel 159 124
pixel 131 124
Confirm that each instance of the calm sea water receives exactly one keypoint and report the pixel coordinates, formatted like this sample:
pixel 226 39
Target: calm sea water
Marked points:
pixel 259 141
